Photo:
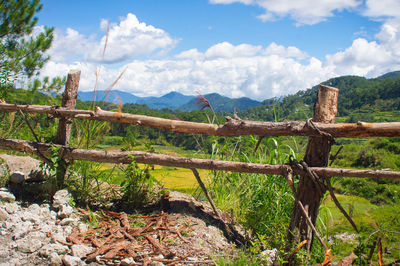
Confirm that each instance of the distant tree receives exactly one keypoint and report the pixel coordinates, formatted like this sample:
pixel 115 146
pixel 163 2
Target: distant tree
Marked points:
pixel 21 49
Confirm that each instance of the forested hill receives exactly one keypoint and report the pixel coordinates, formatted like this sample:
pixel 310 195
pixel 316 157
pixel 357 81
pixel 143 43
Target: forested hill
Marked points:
pixel 358 97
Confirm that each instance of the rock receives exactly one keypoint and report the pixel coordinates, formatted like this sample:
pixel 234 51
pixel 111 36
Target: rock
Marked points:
pixel 270 256
pixel 65 211
pixel 23 164
pixel 58 237
pixel 30 217
pixel 128 261
pixel 72 261
pixel 34 209
pixel 57 248
pixel 6 195
pixel 60 198
pixel 39 236
pixel 83 228
pixel 3 215
pixel 55 259
pixel 81 251
pixel 18 177
pixel 27 245
pixel 21 229
pixel 11 207
pixel 157 263
pixel 68 221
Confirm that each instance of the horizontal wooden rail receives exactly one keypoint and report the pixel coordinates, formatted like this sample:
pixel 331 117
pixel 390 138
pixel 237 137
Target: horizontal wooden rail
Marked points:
pixel 191 163
pixel 232 127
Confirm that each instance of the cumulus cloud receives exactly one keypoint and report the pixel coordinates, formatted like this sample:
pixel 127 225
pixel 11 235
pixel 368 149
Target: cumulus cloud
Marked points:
pixel 306 12
pixel 235 71
pixel 370 58
pixel 125 40
pixel 227 50
pixel 382 8
pixel 281 50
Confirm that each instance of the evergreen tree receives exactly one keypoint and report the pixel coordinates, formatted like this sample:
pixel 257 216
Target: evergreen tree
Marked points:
pixel 21 49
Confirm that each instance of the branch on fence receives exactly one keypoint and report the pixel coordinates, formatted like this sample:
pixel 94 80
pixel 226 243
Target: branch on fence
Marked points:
pixel 230 128
pixel 288 173
pixel 190 163
pixel 45 159
pixel 335 200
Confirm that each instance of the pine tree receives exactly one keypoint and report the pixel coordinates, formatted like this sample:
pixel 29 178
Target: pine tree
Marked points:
pixel 21 49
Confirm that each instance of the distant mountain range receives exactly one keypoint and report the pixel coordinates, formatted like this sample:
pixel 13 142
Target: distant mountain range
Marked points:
pixel 175 100
pixel 172 100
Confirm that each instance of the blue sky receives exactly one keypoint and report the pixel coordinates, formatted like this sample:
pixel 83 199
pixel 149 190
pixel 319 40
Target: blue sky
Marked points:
pixel 254 48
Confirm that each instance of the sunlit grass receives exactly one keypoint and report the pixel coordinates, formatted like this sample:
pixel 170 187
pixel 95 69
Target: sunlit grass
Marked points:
pixel 368 217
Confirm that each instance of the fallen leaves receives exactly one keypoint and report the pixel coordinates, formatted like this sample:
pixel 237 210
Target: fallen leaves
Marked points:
pixel 144 238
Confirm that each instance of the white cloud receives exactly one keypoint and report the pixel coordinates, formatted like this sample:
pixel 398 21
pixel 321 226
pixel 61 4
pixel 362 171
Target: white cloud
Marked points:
pixel 307 12
pixel 126 40
pixel 242 70
pixel 370 58
pixel 382 8
pixel 228 50
pixel 281 50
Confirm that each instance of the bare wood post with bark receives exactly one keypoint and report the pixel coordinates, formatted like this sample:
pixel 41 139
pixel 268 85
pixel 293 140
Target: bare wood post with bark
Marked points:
pixel 65 123
pixel 317 154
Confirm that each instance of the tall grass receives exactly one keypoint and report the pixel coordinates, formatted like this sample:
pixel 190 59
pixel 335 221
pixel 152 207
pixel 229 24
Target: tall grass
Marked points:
pixel 261 203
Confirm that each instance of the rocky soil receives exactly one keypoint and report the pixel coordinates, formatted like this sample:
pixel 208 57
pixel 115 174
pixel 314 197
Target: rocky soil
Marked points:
pixel 58 234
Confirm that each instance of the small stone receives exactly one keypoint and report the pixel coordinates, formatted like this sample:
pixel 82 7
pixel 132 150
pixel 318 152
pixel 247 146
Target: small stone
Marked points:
pixel 3 215
pixel 55 260
pixel 6 195
pixel 157 263
pixel 27 245
pixel 31 217
pixel 53 248
pixel 58 237
pixel 72 261
pixel 128 262
pixel 270 255
pixel 11 207
pixel 38 235
pixel 83 228
pixel 60 198
pixel 18 177
pixel 65 211
pixel 34 209
pixel 4 254
pixel 68 221
pixel 67 230
pixel 81 251
pixel 21 229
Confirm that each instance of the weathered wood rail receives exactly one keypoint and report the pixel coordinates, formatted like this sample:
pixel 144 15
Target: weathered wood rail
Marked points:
pixel 70 153
pixel 232 127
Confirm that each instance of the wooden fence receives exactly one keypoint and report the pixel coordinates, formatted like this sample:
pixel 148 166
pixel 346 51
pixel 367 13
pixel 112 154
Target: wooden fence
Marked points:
pixel 313 171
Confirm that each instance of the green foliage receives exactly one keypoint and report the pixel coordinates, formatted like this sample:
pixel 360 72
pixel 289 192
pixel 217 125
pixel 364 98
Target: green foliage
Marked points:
pixel 21 49
pixel 139 186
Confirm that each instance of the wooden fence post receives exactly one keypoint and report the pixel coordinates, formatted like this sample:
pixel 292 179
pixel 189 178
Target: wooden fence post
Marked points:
pixel 65 124
pixel 317 154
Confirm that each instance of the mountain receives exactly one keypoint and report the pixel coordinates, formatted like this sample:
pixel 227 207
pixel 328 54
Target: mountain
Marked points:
pixel 111 96
pixel 359 98
pixel 221 103
pixel 170 100
pixel 393 75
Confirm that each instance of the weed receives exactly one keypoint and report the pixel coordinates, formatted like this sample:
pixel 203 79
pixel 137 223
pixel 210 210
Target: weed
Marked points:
pixel 138 188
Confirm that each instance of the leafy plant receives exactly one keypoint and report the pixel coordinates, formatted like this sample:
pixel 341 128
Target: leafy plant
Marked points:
pixel 139 187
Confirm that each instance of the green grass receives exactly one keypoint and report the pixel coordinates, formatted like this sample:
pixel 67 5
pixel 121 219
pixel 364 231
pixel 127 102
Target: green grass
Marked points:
pixel 368 217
